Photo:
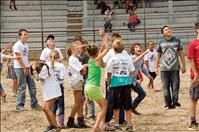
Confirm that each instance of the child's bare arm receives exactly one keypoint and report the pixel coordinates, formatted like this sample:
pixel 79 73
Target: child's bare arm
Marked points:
pixel 196 76
pixel 181 53
pixel 140 56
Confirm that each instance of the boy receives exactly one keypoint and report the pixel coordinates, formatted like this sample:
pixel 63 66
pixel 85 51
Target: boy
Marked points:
pixel 193 56
pixel 150 59
pixel 168 50
pixel 21 67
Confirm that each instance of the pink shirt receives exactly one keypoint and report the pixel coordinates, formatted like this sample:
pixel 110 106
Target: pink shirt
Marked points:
pixel 193 53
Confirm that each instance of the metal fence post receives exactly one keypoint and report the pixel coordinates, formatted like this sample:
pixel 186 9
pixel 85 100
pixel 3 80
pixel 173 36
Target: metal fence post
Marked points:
pixel 42 33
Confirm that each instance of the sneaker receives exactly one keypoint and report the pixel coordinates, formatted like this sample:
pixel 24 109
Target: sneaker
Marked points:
pixel 62 126
pixel 37 107
pixel 129 128
pixel 117 128
pixel 57 129
pixel 14 95
pixel 48 128
pixel 108 127
pixel 20 108
pixel 193 126
pixel 178 104
pixel 136 112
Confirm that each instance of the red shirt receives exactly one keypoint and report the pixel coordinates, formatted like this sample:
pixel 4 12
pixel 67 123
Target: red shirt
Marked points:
pixel 133 18
pixel 193 53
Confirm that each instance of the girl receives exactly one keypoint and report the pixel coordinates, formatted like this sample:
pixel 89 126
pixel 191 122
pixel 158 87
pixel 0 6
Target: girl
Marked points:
pixel 119 69
pixel 10 72
pixel 50 91
pixel 59 73
pixel 75 78
pixel 137 58
pixel 92 88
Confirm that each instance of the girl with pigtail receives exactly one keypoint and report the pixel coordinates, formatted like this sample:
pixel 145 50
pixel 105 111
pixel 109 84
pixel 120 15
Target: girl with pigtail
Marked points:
pixel 59 73
pixel 50 91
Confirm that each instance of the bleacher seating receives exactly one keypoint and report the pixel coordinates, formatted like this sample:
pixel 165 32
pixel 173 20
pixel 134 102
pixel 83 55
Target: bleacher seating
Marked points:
pixel 60 16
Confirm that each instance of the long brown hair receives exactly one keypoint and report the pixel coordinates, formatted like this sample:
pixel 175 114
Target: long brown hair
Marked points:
pixel 54 55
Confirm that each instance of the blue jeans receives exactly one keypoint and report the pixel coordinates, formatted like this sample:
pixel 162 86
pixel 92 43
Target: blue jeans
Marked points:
pixel 109 113
pixel 21 90
pixel 147 3
pixel 141 95
pixel 171 84
pixel 132 25
pixel 59 103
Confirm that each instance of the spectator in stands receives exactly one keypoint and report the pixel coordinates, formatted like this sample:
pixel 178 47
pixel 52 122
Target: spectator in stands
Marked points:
pixel 109 14
pixel 14 4
pixel 136 3
pixel 129 6
pixel 147 3
pixel 133 21
pixel 102 5
pixel 117 3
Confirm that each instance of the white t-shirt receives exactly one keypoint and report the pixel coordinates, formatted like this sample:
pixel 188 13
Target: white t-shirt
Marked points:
pixel 50 86
pixel 120 65
pixel 74 68
pixel 46 52
pixel 22 49
pixel 151 58
pixel 111 53
pixel 59 71
pixel 2 57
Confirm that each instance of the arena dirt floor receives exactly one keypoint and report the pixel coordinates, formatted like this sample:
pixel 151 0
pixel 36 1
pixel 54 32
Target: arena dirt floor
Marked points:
pixel 154 118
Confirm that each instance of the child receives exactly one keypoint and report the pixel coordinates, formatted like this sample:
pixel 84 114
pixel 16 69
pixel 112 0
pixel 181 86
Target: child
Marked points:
pixel 89 106
pixel 109 99
pixel 50 91
pixel 193 56
pixel 150 60
pixel 10 72
pixel 75 78
pixel 50 45
pixel 119 69
pixel 92 88
pixel 59 73
pixel 4 57
pixel 138 60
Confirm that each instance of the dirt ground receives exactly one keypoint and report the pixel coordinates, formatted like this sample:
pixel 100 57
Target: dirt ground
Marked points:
pixel 154 116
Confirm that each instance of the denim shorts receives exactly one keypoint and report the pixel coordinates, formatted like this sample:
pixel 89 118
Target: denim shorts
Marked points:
pixel 194 92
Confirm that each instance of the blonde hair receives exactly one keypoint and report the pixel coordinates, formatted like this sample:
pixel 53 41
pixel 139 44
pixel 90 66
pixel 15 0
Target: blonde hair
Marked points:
pixel 54 55
pixel 118 45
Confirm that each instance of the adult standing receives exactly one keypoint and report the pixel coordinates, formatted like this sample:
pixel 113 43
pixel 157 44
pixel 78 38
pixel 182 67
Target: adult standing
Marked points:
pixel 168 50
pixel 21 67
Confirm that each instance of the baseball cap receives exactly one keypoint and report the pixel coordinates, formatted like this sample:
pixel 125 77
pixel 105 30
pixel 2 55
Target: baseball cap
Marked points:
pixel 50 36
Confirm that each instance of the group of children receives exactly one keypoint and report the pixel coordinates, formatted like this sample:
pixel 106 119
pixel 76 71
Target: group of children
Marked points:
pixel 84 73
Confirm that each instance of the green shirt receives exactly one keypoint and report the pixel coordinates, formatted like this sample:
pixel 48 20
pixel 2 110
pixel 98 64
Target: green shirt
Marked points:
pixel 94 73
